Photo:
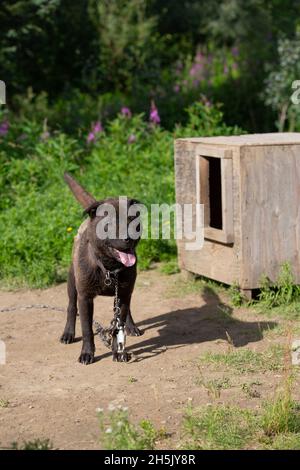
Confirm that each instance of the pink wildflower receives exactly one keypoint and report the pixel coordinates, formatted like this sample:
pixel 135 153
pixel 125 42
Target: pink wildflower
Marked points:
pixel 97 127
pixel 91 137
pixel 4 127
pixel 126 112
pixel 154 116
pixel 131 139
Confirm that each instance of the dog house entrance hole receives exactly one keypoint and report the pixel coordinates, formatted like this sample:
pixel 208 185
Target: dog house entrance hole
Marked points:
pixel 211 191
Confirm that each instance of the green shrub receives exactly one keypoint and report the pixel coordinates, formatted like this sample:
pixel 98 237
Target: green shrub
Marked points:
pixel 283 292
pixel 117 432
pixel 278 85
pixel 39 216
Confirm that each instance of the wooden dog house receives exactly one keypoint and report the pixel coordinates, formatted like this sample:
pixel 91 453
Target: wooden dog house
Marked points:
pixel 250 188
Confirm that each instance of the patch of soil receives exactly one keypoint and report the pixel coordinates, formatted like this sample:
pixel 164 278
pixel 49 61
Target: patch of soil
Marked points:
pixel 52 396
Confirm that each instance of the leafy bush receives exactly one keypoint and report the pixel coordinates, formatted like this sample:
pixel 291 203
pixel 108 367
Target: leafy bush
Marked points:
pixel 278 85
pixel 39 216
pixel 117 432
pixel 283 292
pixel 236 297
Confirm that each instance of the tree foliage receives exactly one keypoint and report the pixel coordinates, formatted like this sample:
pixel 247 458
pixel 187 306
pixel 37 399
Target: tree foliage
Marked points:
pixel 133 48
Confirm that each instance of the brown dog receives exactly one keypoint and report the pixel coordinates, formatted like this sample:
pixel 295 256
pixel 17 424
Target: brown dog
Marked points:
pixel 95 260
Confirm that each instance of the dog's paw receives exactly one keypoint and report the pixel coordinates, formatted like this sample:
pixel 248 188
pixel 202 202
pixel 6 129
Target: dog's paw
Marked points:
pixel 133 331
pixel 67 338
pixel 86 358
pixel 121 357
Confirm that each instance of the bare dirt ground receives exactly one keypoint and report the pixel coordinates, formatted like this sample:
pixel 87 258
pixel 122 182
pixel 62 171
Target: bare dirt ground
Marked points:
pixel 50 395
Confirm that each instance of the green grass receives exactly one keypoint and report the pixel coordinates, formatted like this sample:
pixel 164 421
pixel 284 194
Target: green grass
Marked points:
pixel 36 444
pixel 275 299
pixel 214 386
pixel 282 414
pixel 245 360
pixel 117 432
pixel 235 295
pixel 276 425
pixel 281 293
pixel 218 427
pixel 250 389
pixel 278 298
pixel 287 312
pixel 4 403
pixel 132 380
pixel 170 267
pixel 286 441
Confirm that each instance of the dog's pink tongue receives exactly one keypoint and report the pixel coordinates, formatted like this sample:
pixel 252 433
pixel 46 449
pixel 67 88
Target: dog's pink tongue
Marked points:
pixel 127 259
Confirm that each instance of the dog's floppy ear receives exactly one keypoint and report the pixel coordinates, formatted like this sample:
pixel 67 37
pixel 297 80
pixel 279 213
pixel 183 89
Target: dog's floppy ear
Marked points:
pixel 92 209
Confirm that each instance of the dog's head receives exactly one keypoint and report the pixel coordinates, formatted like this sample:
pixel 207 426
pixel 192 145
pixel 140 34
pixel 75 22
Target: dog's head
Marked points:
pixel 114 229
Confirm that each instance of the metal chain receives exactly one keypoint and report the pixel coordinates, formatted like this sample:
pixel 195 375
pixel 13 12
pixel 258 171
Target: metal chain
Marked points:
pixel 106 334
pixel 117 309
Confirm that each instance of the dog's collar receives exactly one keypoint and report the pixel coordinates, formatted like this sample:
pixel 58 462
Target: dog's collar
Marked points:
pixel 107 272
pixel 108 281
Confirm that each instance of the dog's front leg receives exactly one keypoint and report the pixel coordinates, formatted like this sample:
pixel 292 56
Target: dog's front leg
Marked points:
pixel 86 310
pixel 68 335
pixel 131 328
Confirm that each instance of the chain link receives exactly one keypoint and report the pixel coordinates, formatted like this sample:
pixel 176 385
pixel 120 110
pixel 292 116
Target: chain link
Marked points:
pixel 106 334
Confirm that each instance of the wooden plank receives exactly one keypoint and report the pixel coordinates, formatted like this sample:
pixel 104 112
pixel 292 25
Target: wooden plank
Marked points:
pixel 185 182
pixel 227 199
pixel 270 212
pixel 215 261
pixel 213 151
pixel 211 233
pixel 272 138
pixel 226 234
pixel 204 188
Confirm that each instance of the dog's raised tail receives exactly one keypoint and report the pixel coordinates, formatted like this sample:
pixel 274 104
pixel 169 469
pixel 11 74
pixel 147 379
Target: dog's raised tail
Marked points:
pixel 82 196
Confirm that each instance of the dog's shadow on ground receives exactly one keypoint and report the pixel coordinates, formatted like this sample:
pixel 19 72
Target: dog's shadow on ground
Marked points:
pixel 212 321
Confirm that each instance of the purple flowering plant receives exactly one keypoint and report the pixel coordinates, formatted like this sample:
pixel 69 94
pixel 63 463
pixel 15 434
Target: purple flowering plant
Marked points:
pixel 125 111
pixel 205 69
pixel 94 133
pixel 154 117
pixel 4 128
pixel 131 139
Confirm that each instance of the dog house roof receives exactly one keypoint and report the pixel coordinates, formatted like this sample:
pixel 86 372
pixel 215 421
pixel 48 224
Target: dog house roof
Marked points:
pixel 275 138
